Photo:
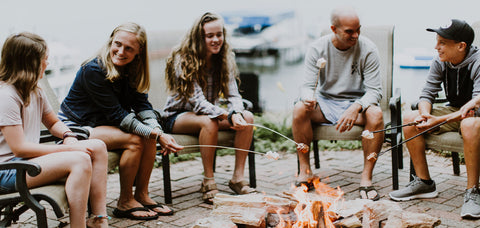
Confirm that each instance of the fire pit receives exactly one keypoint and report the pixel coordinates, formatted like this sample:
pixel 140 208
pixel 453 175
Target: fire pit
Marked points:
pixel 325 207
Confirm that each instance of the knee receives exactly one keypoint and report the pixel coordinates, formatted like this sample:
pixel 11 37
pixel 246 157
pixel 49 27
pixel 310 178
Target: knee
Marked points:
pixel 82 162
pixel 410 116
pixel 135 143
pixel 209 124
pixel 99 148
pixel 299 112
pixel 470 128
pixel 247 116
pixel 375 115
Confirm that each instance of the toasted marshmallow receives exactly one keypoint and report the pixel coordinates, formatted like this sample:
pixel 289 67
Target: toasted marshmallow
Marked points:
pixel 321 62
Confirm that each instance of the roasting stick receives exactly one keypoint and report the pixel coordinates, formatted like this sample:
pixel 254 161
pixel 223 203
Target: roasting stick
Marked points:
pixel 276 132
pixel 390 128
pixel 300 146
pixel 269 154
pixel 321 62
pixel 374 156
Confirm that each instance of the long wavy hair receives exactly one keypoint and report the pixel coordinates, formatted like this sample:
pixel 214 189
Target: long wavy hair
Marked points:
pixel 192 62
pixel 139 65
pixel 21 63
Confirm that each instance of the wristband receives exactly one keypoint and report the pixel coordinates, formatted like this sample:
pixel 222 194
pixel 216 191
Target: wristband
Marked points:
pixel 69 134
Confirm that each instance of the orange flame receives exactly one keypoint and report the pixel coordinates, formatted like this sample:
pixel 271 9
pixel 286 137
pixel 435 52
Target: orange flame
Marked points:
pixel 327 196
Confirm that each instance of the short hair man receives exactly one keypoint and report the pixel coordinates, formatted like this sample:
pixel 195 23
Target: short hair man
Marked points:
pixel 457 67
pixel 347 94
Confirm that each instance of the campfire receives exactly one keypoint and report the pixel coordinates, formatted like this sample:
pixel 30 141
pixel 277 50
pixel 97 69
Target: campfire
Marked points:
pixel 297 208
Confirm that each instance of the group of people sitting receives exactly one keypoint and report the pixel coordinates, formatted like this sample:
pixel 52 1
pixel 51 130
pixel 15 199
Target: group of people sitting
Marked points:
pixel 109 97
pixel 348 93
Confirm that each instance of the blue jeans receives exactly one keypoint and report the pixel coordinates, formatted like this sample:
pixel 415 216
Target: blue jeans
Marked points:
pixel 7 179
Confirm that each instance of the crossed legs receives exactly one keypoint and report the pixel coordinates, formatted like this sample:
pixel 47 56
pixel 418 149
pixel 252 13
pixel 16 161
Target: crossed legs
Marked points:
pixel 86 177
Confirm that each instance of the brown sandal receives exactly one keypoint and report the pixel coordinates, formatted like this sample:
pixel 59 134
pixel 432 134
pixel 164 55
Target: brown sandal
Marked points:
pixel 207 196
pixel 238 187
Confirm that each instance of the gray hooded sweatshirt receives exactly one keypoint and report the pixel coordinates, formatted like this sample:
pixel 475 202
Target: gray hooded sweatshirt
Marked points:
pixel 460 82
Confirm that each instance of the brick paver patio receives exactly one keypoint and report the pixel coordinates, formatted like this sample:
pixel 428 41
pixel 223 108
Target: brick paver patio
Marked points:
pixel 338 168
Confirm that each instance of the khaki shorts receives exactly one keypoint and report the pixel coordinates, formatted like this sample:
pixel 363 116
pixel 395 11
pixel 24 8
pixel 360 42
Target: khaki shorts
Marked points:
pixel 444 110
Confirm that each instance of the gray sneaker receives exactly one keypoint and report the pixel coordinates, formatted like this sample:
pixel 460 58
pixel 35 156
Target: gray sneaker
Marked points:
pixel 471 203
pixel 416 189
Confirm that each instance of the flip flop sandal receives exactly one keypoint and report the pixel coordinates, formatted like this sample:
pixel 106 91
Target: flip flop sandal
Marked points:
pixel 207 196
pixel 159 205
pixel 364 190
pixel 128 214
pixel 239 189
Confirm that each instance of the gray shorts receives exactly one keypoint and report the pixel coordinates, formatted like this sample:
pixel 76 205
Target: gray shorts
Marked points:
pixel 332 109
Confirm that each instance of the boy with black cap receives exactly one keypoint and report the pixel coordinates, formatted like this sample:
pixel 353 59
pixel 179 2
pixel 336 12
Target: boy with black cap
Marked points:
pixel 457 67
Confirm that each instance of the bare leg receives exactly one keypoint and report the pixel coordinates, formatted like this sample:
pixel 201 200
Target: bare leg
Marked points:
pixel 144 173
pixel 374 121
pixel 243 140
pixel 208 135
pixel 77 167
pixel 303 133
pixel 98 183
pixel 132 146
pixel 416 147
pixel 470 128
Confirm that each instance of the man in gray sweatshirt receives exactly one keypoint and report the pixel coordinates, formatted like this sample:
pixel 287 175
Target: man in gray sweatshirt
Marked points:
pixel 457 67
pixel 347 93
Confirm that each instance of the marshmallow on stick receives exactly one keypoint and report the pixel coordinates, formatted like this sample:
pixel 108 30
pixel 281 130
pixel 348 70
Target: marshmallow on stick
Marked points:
pixel 321 62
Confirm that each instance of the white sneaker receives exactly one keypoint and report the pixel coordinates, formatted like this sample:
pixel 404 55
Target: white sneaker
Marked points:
pixel 416 189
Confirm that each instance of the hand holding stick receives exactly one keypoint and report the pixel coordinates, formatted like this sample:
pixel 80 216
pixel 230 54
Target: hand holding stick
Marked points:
pixel 369 135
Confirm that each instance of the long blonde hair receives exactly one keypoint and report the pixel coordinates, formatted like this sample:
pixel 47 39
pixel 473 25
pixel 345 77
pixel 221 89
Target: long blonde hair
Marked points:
pixel 21 63
pixel 192 53
pixel 139 65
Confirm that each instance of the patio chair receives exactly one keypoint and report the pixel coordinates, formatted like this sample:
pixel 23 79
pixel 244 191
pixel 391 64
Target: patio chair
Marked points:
pixel 448 141
pixel 12 205
pixel 225 138
pixel 382 36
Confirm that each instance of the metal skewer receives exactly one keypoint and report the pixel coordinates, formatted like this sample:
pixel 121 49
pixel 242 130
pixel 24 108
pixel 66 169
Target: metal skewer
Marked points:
pixel 375 156
pixel 224 147
pixel 276 132
pixel 302 147
pixel 394 127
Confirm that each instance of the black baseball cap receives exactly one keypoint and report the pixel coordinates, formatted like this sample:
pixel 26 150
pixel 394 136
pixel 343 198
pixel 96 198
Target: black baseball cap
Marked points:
pixel 457 30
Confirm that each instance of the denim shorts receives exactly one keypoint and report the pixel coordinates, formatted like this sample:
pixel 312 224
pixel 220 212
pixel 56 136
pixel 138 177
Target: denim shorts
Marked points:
pixel 170 121
pixel 7 179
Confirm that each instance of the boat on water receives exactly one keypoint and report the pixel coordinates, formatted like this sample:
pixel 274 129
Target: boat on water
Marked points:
pixel 260 33
pixel 414 59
